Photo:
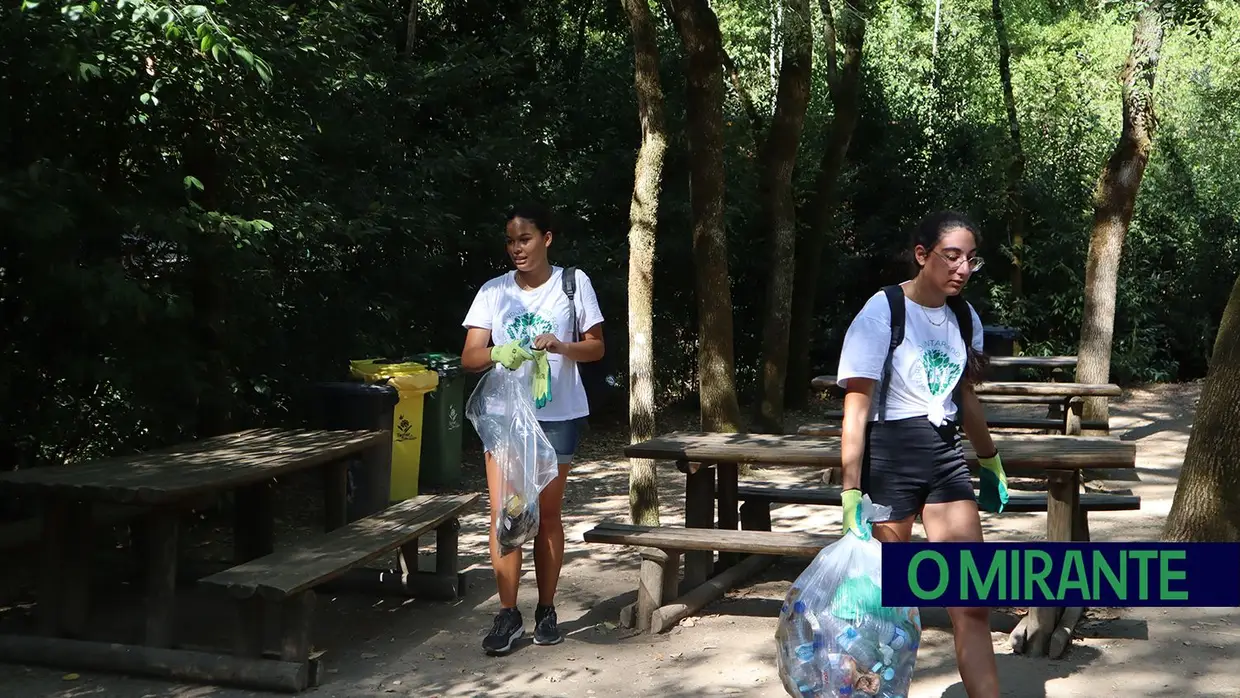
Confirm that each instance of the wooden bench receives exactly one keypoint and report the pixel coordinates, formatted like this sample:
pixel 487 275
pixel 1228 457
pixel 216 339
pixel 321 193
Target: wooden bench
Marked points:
pixel 755 513
pixel 661 547
pixel 287 578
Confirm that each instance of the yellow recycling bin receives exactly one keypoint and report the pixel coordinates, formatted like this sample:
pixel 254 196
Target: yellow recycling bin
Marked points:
pixel 412 382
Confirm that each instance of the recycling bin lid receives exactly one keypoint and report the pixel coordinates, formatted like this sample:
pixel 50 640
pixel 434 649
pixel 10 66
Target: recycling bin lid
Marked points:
pixel 378 370
pixel 356 388
pixel 444 364
pixel 1000 331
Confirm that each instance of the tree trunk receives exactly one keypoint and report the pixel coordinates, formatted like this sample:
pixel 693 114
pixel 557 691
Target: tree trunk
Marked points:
pixel 579 46
pixel 1114 200
pixel 779 159
pixel 844 81
pixel 643 220
pixel 1206 507
pixel 411 27
pixel 699 32
pixel 1014 208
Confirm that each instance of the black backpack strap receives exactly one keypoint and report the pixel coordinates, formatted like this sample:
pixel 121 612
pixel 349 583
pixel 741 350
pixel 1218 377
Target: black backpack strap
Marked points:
pixel 964 320
pixel 569 280
pixel 895 301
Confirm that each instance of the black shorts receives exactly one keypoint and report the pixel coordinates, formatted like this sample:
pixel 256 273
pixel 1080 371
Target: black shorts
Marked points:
pixel 909 463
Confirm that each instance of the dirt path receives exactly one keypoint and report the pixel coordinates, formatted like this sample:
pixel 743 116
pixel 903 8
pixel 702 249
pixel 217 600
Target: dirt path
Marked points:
pixel 390 647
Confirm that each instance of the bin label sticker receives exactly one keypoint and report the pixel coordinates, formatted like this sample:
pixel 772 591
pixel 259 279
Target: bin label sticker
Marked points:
pixel 404 430
pixel 454 418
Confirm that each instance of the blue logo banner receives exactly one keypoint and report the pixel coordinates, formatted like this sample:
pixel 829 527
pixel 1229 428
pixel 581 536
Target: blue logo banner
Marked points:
pixel 1061 574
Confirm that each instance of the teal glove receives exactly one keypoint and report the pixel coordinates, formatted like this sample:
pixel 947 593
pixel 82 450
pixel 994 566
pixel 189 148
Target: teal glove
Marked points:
pixel 993 495
pixel 541 379
pixel 851 499
pixel 510 355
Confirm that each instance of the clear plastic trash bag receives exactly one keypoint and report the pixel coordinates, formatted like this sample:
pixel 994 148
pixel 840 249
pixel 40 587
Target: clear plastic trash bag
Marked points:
pixel 834 637
pixel 501 409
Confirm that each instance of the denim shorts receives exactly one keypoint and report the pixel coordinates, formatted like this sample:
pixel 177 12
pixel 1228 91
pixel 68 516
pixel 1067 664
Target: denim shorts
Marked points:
pixel 564 437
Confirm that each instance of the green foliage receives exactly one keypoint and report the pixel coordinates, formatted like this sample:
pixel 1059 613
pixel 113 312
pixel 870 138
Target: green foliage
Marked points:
pixel 211 206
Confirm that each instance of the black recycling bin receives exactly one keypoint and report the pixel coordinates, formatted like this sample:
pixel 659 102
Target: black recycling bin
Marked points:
pixel 443 418
pixel 355 405
pixel 998 340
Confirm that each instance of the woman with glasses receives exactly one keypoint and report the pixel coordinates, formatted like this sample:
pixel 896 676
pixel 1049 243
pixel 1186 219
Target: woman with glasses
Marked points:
pixel 902 408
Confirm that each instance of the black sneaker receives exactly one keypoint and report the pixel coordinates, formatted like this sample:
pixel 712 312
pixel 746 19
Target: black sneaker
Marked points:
pixel 508 628
pixel 546 631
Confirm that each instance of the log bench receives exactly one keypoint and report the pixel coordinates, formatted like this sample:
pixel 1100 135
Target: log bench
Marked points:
pixel 755 511
pixel 659 605
pixel 284 582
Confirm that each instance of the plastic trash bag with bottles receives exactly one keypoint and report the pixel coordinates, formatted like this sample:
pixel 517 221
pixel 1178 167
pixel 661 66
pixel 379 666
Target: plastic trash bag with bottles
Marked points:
pixel 501 408
pixel 835 638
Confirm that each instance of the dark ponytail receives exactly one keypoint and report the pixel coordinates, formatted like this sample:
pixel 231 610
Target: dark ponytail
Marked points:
pixel 535 213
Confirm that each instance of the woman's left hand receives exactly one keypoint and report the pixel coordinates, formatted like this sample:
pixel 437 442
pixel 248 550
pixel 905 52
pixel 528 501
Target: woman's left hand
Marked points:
pixel 548 342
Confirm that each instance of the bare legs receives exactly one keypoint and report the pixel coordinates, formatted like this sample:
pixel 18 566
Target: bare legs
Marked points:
pixel 952 522
pixel 958 522
pixel 548 545
pixel 507 567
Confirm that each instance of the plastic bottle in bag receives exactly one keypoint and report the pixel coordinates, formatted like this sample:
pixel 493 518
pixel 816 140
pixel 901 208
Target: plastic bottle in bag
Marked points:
pixel 862 649
pixel 501 409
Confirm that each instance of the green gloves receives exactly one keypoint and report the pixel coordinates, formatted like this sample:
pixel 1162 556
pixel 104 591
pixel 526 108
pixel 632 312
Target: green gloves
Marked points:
pixel 993 494
pixel 541 379
pixel 510 355
pixel 851 499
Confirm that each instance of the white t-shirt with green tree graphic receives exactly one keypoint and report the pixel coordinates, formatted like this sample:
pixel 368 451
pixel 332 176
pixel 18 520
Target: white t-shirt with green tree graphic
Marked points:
pixel 513 313
pixel 925 367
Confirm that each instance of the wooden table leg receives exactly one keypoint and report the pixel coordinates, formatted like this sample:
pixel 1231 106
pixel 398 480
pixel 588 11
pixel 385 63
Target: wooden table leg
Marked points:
pixel 161 576
pixel 1072 410
pixel 699 513
pixel 76 568
pixel 335 495
pixel 1032 635
pixel 52 581
pixel 254 522
pixel 728 513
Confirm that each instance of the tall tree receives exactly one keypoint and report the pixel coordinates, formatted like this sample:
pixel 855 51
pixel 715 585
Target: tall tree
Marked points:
pixel 779 158
pixel 1013 208
pixel 699 33
pixel 1115 197
pixel 643 221
pixel 1206 506
pixel 843 36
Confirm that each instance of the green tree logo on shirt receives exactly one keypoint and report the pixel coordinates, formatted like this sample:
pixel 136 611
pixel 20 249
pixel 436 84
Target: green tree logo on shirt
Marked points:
pixel 526 326
pixel 941 371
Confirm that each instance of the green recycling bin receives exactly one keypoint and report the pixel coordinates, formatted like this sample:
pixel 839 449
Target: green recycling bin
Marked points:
pixel 443 418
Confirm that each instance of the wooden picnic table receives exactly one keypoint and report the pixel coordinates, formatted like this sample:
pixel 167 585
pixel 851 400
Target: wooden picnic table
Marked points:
pixel 1064 398
pixel 1051 362
pixel 700 455
pixel 163 481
